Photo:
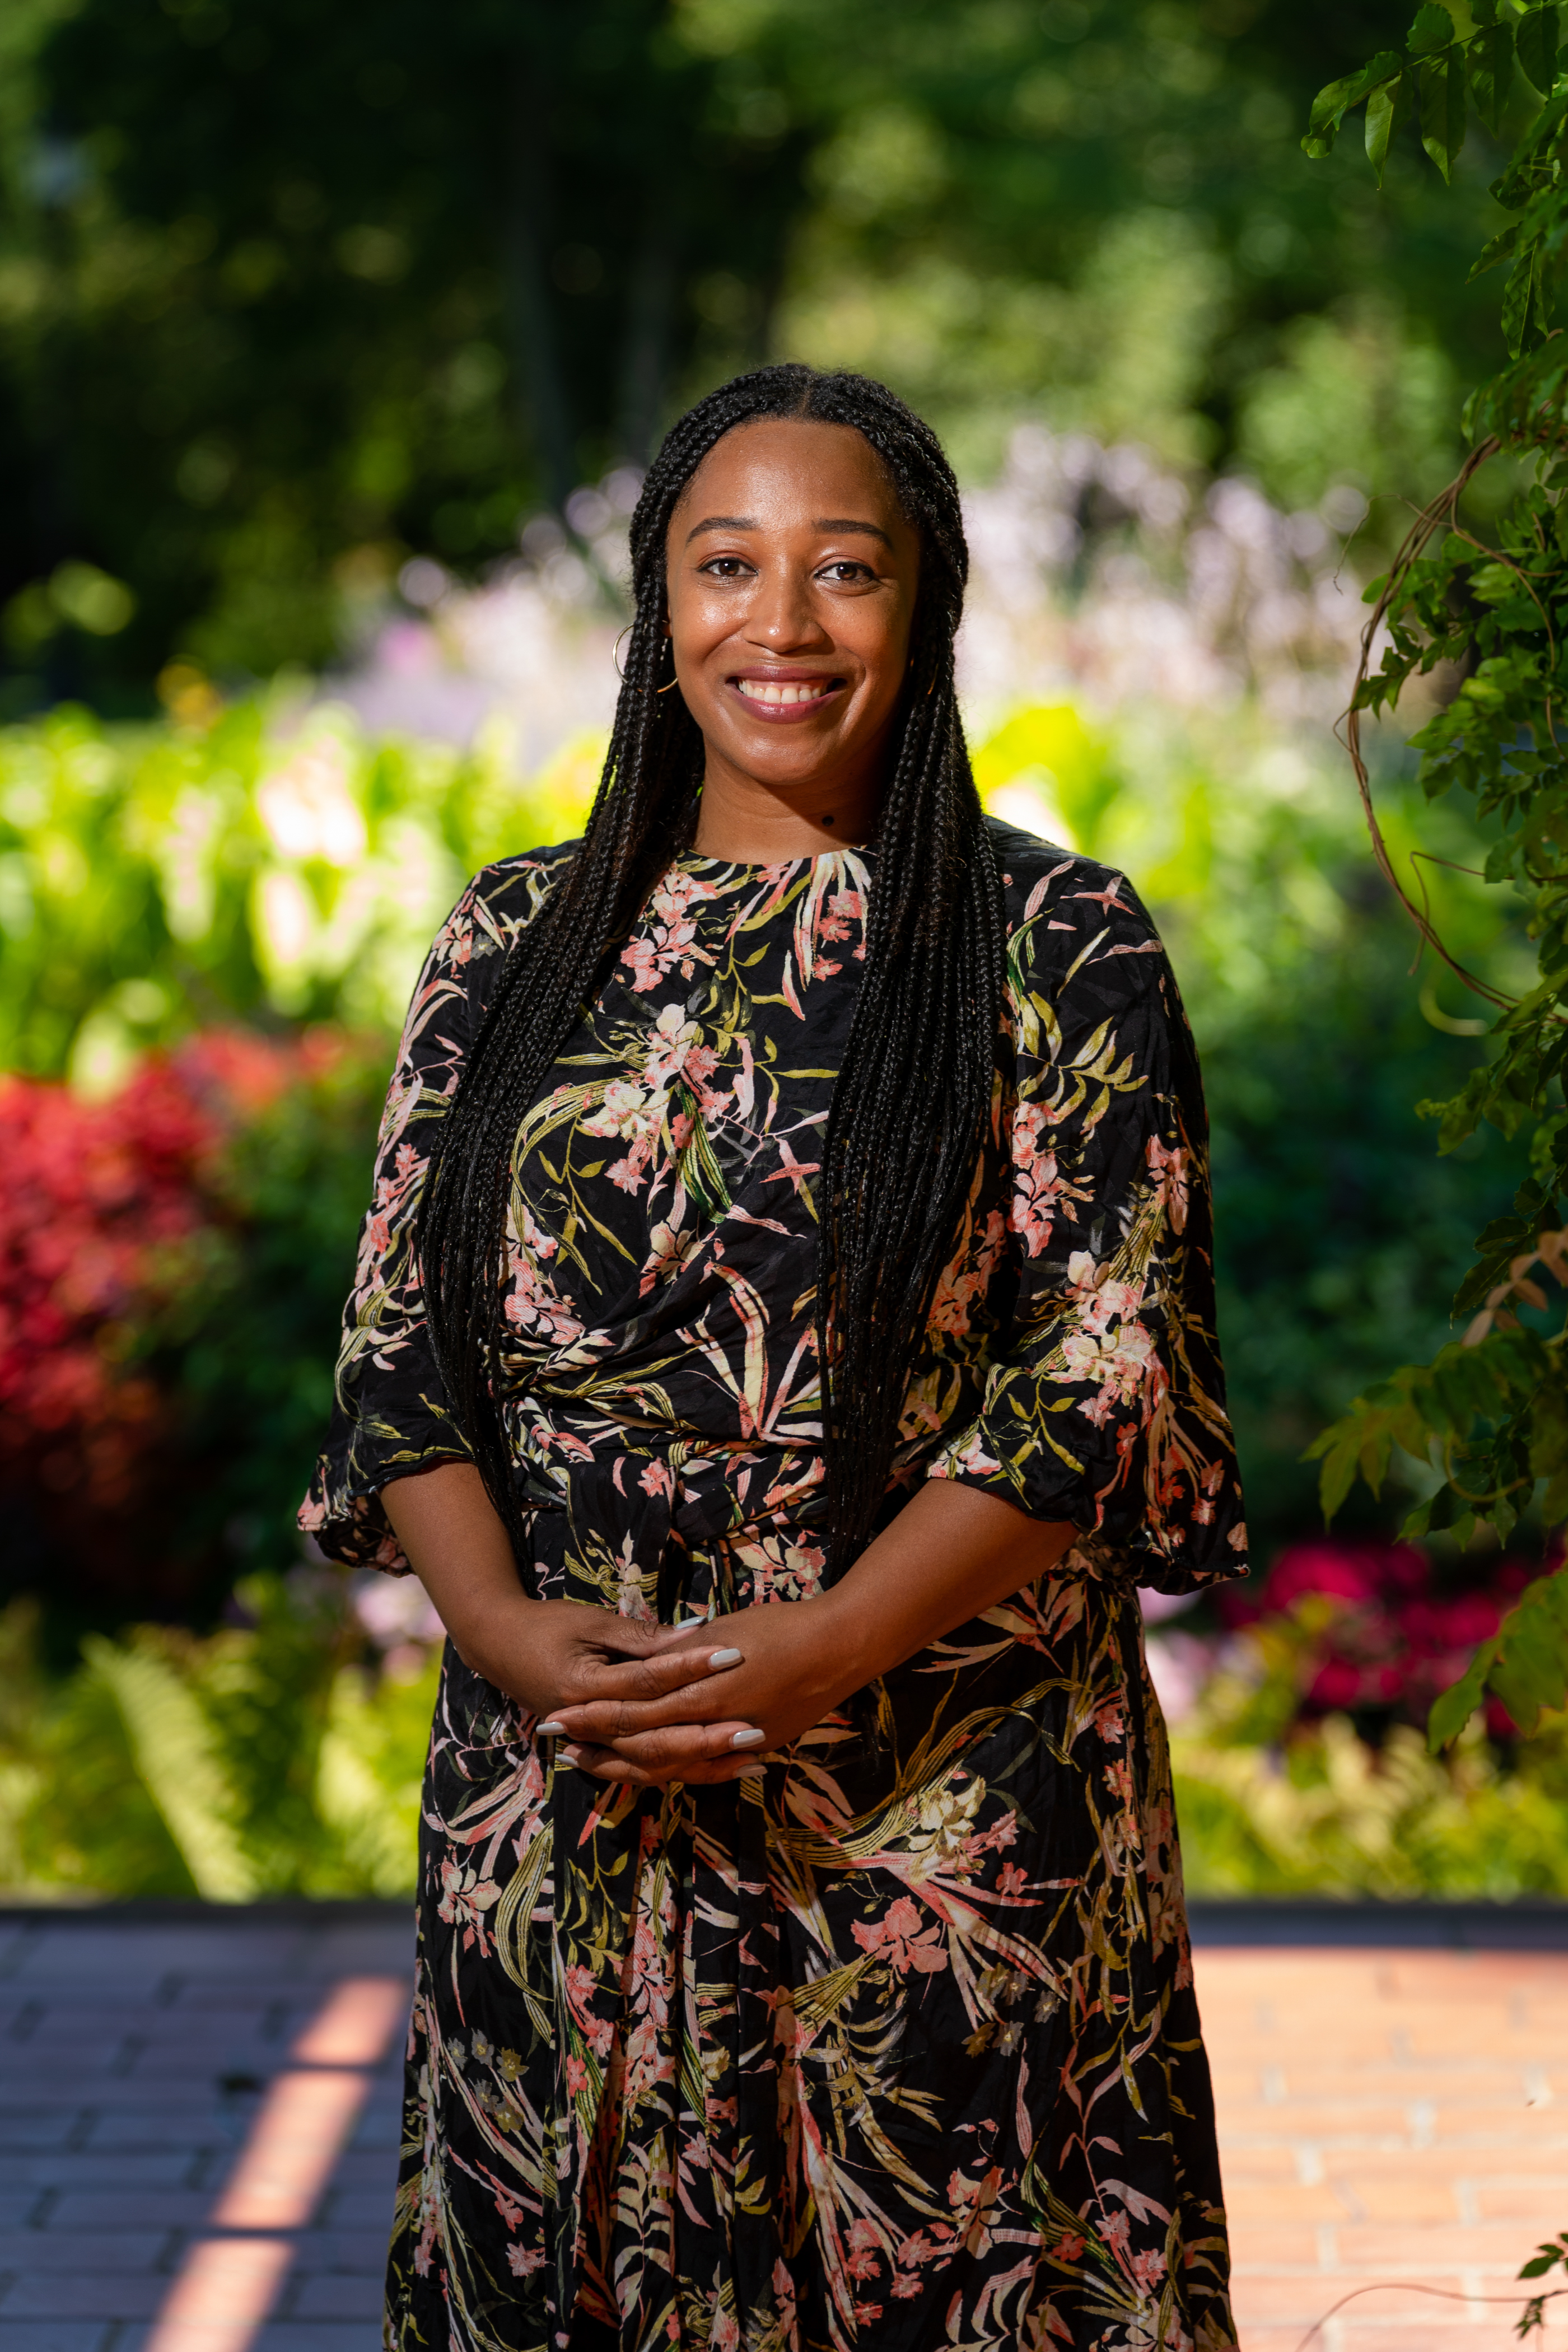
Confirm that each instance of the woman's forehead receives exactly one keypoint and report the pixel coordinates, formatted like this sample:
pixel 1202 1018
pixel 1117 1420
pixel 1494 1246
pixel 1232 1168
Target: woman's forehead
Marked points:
pixel 790 457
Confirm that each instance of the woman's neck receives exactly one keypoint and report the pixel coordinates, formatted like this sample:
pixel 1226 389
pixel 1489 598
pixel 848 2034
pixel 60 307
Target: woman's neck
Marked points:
pixel 748 823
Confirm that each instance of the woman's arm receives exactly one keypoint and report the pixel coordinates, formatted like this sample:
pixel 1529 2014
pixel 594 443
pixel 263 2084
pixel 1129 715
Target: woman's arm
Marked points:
pixel 541 1653
pixel 951 1554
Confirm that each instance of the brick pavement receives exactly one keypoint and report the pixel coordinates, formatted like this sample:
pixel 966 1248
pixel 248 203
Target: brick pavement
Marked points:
pixel 1388 2115
pixel 199 2126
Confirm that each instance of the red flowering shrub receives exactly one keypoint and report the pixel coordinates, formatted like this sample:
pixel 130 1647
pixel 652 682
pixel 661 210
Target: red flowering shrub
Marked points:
pixel 1385 1637
pixel 114 1216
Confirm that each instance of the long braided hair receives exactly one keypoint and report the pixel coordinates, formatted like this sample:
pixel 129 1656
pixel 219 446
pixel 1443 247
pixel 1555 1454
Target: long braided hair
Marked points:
pixel 913 1096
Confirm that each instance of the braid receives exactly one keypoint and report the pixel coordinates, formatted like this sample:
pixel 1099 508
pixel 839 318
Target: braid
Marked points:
pixel 913 1096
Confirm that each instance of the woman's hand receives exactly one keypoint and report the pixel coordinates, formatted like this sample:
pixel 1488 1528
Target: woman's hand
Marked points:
pixel 951 1554
pixel 542 1654
pixel 785 1667
pixel 551 1656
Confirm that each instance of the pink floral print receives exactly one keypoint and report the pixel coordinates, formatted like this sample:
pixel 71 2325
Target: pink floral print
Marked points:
pixel 894 2043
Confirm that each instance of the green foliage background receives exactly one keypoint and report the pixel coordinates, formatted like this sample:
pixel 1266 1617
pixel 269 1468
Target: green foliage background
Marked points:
pixel 285 295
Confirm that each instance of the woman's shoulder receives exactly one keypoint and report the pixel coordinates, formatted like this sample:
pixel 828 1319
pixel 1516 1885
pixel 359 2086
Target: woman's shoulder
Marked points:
pixel 519 883
pixel 1067 914
pixel 504 896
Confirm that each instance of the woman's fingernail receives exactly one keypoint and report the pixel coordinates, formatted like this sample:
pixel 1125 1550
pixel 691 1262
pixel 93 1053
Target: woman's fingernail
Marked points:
pixel 748 1739
pixel 717 1658
pixel 549 1730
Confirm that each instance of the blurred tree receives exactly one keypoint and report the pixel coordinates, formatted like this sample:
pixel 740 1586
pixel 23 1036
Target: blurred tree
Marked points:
pixel 290 294
pixel 285 295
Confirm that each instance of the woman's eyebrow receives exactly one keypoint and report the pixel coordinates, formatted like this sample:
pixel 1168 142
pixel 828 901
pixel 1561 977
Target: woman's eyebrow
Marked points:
pixel 722 522
pixel 749 522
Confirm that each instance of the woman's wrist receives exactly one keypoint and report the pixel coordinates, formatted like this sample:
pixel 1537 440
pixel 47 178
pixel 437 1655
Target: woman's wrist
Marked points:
pixel 854 1632
pixel 490 1632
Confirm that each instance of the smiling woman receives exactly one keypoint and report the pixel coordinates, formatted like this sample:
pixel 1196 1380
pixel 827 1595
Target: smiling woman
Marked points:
pixel 782 1343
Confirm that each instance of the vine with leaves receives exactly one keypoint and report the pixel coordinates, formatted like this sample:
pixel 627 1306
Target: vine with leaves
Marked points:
pixel 1490 1411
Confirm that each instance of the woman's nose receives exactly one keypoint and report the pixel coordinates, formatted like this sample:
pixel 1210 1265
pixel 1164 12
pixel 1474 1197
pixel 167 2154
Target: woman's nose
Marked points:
pixel 785 617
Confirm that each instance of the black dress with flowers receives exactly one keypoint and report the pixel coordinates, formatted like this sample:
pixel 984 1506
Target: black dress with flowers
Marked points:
pixel 894 2045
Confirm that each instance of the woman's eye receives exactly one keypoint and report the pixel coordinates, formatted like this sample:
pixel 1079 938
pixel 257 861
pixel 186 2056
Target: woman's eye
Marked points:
pixel 845 572
pixel 726 567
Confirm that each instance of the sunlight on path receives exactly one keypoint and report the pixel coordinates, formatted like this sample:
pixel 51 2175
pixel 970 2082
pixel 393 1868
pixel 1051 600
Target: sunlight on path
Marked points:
pixel 199 2128
pixel 1395 2116
pixel 227 2285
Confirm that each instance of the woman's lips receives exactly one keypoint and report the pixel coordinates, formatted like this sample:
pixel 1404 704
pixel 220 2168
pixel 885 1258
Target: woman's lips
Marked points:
pixel 783 700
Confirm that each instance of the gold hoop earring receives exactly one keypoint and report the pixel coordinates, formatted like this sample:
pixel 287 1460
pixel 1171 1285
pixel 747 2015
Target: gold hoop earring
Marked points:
pixel 615 651
pixel 665 689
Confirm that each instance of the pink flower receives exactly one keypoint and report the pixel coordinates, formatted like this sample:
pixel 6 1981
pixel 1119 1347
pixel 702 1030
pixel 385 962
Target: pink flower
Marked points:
pixel 523 2261
pixel 1170 1172
pixel 902 1941
pixel 1011 1881
pixel 466 1898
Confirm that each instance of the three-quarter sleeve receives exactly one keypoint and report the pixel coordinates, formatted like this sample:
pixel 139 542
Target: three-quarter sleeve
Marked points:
pixel 391 1415
pixel 1104 1400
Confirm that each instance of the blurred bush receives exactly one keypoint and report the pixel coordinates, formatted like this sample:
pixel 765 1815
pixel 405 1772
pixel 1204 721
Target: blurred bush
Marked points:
pixel 279 1754
pixel 1327 1815
pixel 213 927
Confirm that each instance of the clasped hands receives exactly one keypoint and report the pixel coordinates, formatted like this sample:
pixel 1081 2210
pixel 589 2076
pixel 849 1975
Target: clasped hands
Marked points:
pixel 648 1704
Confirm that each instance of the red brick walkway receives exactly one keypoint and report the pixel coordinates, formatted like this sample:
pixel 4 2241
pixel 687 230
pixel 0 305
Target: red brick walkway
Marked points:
pixel 198 2131
pixel 1388 2115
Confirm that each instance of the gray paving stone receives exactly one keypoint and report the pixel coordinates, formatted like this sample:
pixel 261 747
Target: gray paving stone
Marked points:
pixel 141 1958
pixel 128 2252
pixel 357 2209
pixel 165 2125
pixel 331 2294
pixel 321 2335
pixel 42 2055
pixel 38 2127
pixel 362 2252
pixel 365 2168
pixel 85 2294
pixel 53 2336
pixel 92 2168
pixel 278 2336
pixel 134 2207
pixel 95 2170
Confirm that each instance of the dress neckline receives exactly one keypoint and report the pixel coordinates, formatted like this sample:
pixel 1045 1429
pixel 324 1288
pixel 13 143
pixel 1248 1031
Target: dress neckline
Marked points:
pixel 691 857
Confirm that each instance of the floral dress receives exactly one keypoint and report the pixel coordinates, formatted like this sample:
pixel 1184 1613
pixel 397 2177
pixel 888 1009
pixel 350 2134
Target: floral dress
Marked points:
pixel 894 2041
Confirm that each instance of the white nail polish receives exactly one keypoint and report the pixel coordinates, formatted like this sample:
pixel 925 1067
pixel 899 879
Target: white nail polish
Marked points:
pixel 717 1658
pixel 549 1730
pixel 748 1739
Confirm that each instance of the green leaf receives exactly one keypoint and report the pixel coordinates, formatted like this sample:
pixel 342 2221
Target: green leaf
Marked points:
pixel 1525 1665
pixel 1433 29
pixel 1535 40
pixel 1385 109
pixel 1332 104
pixel 1496 248
pixel 1453 1708
pixel 1440 82
pixel 1520 297
pixel 1490 60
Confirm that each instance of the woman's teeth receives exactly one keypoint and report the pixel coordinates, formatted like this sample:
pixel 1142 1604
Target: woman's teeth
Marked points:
pixel 758 689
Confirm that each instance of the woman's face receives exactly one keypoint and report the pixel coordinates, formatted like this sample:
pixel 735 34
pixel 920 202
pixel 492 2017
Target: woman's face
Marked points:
pixel 792 579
